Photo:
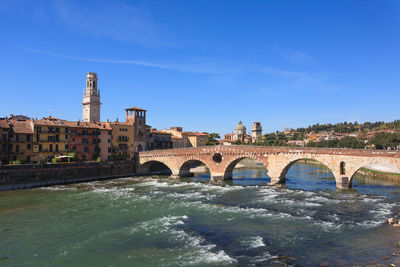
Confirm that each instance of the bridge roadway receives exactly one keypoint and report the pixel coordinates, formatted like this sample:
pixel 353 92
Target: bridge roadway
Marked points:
pixel 221 160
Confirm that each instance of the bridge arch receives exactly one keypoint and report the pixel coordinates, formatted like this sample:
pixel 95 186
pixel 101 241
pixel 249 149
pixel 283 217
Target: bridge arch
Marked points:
pixel 184 169
pixel 366 164
pixel 291 163
pixel 228 172
pixel 288 165
pixel 155 167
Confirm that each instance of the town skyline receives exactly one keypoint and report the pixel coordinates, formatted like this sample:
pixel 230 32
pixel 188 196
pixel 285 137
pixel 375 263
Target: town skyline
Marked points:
pixel 231 131
pixel 299 65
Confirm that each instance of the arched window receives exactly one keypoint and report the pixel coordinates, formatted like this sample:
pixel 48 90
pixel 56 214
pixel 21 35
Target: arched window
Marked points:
pixel 342 168
pixel 94 83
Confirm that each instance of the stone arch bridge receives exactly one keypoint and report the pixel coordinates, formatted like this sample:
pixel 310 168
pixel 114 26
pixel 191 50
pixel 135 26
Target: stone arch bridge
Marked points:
pixel 221 160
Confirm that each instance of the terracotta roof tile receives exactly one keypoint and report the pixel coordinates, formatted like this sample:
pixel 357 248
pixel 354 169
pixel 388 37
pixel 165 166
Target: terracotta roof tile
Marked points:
pixel 4 124
pixel 194 133
pixel 22 127
pixel 159 132
pixel 50 122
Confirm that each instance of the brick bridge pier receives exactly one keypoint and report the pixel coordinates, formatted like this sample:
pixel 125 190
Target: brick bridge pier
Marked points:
pixel 221 160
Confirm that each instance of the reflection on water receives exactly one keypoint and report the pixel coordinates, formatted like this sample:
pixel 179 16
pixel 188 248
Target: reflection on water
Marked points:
pixel 153 221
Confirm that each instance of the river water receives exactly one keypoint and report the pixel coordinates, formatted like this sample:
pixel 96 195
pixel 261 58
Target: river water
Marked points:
pixel 153 221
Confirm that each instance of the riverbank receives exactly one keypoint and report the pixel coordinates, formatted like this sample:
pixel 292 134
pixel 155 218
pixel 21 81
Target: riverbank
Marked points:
pixel 29 176
pixel 377 171
pixel 387 176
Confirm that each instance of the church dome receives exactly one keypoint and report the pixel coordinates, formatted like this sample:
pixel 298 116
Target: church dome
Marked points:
pixel 240 126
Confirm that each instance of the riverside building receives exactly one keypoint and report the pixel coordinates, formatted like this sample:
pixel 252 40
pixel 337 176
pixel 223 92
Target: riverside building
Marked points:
pixel 89 140
pixel 4 133
pixel 21 140
pixel 50 138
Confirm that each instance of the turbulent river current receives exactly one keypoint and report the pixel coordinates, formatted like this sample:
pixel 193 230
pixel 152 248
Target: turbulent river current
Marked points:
pixel 154 221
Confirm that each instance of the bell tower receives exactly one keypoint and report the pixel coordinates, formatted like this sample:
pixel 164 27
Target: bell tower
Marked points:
pixel 256 132
pixel 91 99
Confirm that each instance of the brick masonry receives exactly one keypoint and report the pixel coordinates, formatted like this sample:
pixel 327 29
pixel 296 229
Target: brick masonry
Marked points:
pixel 277 160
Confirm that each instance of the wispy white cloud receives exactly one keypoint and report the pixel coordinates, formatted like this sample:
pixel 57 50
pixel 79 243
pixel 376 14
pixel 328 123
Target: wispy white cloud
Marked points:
pixel 288 80
pixel 200 66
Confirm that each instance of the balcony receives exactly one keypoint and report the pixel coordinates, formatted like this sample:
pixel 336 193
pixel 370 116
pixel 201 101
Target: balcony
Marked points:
pixel 19 152
pixel 53 151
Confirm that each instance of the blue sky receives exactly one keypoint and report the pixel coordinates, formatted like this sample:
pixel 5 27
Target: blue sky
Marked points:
pixel 204 65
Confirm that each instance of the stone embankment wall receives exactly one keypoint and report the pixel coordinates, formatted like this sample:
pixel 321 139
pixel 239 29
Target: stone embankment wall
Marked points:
pixel 29 176
pixel 386 176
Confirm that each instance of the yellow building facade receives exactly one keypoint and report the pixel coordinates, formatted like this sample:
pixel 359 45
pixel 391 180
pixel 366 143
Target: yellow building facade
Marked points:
pixel 50 138
pixel 21 141
pixel 123 143
pixel 196 139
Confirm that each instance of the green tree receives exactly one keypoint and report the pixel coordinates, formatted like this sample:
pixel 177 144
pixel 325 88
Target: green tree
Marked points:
pixel 386 140
pixel 212 139
pixel 350 142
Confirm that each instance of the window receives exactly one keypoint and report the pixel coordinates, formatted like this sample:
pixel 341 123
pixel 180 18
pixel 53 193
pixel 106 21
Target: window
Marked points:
pixel 51 148
pixel 56 147
pixel 85 149
pixel 73 140
pixel 17 148
pixel 73 131
pixel 85 141
pixel 342 168
pixel 57 130
pixel 28 146
pixel 109 150
pixel 28 137
pixel 74 148
pixel 109 140
pixel 66 147
pixel 85 132
pixel 4 137
pixel 66 130
pixel 40 148
pixel 17 137
pixel 66 136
